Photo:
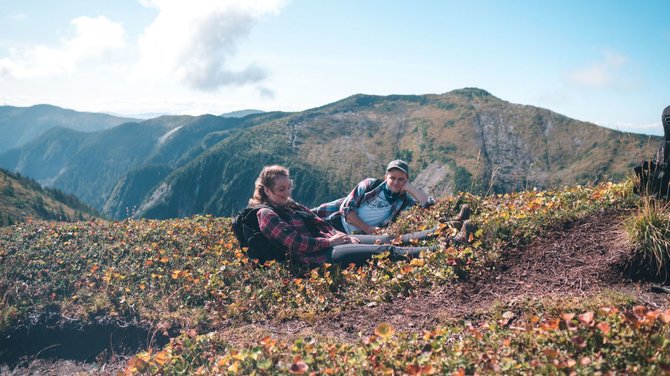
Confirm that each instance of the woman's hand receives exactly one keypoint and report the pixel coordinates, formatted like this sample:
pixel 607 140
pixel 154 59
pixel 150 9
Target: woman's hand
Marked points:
pixel 342 238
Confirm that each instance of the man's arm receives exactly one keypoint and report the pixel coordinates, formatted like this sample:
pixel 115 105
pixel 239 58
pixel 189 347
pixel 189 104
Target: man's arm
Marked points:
pixel 354 199
pixel 353 218
pixel 419 195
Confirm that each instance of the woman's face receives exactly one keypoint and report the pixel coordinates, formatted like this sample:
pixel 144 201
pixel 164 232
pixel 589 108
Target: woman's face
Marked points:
pixel 280 192
pixel 395 180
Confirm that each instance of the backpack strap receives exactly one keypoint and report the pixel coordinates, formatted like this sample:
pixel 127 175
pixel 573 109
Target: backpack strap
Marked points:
pixel 280 212
pixel 310 222
pixel 375 184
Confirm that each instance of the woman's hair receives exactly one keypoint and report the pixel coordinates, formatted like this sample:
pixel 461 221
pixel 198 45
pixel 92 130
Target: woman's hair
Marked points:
pixel 267 178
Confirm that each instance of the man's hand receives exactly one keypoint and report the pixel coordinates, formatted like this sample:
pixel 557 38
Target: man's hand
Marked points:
pixel 418 194
pixel 372 230
pixel 355 220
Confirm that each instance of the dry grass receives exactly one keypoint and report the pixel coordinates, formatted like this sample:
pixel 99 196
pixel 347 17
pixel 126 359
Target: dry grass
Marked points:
pixel 649 235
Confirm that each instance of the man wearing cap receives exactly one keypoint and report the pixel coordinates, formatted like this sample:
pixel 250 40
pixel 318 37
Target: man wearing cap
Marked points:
pixel 374 203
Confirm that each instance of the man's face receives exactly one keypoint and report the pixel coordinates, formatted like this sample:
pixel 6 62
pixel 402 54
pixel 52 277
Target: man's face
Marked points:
pixel 396 180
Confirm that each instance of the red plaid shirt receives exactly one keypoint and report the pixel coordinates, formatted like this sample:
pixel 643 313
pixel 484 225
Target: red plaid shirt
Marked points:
pixel 295 235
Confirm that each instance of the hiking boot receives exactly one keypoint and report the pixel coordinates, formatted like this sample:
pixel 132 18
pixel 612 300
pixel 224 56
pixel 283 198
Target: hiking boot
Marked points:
pixel 467 230
pixel 464 214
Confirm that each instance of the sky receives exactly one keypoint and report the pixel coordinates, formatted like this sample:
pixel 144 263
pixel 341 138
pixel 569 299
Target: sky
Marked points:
pixel 606 62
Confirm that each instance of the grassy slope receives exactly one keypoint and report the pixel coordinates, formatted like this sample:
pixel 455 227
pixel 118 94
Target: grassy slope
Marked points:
pixel 22 198
pixel 188 274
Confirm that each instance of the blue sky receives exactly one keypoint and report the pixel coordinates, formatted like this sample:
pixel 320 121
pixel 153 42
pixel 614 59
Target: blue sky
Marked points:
pixel 606 62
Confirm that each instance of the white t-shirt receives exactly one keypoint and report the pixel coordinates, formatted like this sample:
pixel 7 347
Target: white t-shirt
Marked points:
pixel 372 212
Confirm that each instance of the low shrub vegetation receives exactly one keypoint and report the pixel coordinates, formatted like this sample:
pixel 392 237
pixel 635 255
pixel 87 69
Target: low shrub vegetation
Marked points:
pixel 635 341
pixel 189 276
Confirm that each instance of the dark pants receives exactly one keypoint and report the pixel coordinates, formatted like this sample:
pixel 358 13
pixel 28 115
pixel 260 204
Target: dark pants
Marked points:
pixel 372 245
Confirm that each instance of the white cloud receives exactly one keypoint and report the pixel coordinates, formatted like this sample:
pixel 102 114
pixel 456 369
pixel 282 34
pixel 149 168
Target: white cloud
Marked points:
pixel 194 42
pixel 17 17
pixel 93 39
pixel 601 74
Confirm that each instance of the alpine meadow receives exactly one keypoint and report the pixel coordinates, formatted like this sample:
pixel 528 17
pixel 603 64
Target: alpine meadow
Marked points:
pixel 566 272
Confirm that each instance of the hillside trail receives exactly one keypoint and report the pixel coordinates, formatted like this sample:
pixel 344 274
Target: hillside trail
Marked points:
pixel 579 260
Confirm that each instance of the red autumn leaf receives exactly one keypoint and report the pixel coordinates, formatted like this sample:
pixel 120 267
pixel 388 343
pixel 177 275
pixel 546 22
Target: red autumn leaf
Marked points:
pixel 586 318
pixel 652 315
pixel 665 316
pixel 608 310
pixel 567 317
pixel 550 353
pixel 640 310
pixel 413 370
pixel 298 368
pixel 579 341
pixel 427 370
pixel 604 327
pixel 268 343
pixel 551 324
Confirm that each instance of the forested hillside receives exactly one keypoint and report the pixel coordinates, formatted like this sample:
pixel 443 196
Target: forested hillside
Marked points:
pixel 464 140
pixel 22 198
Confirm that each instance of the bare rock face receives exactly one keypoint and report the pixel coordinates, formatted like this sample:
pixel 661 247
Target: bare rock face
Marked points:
pixel 436 179
pixel 510 146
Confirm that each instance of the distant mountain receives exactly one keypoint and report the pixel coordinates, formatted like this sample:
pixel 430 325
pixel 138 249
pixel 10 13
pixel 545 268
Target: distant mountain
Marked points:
pixel 141 115
pixel 464 140
pixel 22 198
pixel 90 165
pixel 241 113
pixel 19 125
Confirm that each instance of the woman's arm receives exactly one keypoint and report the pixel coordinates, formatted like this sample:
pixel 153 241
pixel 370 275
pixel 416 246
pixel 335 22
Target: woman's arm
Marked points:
pixel 273 227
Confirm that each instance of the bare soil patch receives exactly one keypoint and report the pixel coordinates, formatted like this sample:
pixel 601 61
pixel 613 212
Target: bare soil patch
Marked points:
pixel 580 259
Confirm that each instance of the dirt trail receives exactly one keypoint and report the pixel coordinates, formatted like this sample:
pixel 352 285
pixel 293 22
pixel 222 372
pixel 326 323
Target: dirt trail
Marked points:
pixel 578 260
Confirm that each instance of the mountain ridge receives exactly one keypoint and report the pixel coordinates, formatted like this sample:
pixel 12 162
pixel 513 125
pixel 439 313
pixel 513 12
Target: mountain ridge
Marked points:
pixel 20 125
pixel 462 140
